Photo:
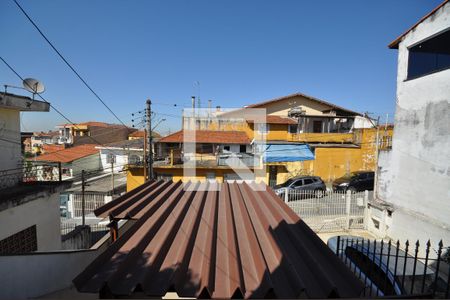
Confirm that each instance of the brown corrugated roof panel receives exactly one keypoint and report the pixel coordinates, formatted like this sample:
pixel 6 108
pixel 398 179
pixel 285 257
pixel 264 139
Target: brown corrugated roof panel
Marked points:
pixel 236 242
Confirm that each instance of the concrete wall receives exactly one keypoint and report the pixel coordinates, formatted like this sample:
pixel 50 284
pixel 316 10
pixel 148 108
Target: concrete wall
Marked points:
pixel 33 275
pixel 91 162
pixel 10 152
pixel 121 159
pixel 418 185
pixel 42 211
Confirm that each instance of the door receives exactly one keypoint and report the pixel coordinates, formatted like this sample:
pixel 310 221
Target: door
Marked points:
pixel 317 126
pixel 273 176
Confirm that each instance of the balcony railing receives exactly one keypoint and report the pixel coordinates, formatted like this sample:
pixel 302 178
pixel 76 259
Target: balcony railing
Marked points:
pixel 238 159
pixel 321 137
pixel 32 172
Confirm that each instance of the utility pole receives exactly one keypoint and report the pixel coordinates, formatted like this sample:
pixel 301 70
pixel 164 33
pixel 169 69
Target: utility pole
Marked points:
pixel 112 173
pixel 145 154
pixel 83 220
pixel 149 131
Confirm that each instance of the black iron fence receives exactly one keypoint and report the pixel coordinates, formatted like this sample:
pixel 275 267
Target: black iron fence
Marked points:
pixel 391 269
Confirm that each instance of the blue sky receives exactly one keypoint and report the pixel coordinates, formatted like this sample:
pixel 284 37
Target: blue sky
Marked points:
pixel 241 52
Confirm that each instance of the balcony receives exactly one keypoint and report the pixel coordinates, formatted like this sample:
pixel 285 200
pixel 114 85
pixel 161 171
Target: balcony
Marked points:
pixel 321 137
pixel 208 160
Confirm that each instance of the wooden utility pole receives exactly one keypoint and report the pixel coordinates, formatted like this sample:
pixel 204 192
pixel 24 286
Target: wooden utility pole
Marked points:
pixel 83 220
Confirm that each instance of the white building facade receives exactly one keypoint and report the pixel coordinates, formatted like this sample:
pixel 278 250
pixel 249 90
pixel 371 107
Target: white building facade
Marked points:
pixel 414 177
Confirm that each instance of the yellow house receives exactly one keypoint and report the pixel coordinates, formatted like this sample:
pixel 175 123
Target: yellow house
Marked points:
pixel 340 141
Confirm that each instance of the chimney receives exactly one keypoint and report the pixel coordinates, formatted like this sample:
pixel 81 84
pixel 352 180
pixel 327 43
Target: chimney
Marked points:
pixel 218 108
pixel 193 103
pixel 209 105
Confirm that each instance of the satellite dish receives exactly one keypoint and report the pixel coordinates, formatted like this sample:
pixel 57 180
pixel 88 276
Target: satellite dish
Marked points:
pixel 33 86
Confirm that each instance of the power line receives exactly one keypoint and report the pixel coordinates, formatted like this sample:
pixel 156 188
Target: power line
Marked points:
pixel 67 63
pixel 52 106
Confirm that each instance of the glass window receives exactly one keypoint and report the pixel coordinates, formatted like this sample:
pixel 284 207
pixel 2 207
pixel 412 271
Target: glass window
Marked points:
pixel 307 181
pixel 298 183
pixel 293 128
pixel 430 56
pixel 242 148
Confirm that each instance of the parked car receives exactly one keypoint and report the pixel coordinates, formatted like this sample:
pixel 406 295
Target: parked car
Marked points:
pixel 313 184
pixel 355 182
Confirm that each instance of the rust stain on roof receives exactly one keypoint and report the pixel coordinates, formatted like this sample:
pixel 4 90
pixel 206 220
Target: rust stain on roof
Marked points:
pixel 69 154
pixel 236 242
pixel 209 136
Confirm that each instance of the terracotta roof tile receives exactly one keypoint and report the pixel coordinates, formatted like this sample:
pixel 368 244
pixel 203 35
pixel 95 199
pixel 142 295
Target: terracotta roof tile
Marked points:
pixel 270 119
pixel 211 137
pixel 140 133
pixel 256 105
pixel 233 243
pixel 69 154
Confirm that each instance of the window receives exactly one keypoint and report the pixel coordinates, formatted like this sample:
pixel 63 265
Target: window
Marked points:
pixel 293 128
pixel 317 126
pixel 432 55
pixel 242 148
pixel 298 183
pixel 22 242
pixel 226 148
pixel 307 181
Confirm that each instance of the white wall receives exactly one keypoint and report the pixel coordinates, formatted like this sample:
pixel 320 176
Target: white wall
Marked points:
pixel 361 122
pixel 419 178
pixel 10 153
pixel 121 159
pixel 42 211
pixel 34 275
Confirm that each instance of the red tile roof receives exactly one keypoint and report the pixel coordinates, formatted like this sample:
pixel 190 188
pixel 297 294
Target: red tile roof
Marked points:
pixel 210 137
pixel 140 133
pixel 256 105
pixel 394 44
pixel 49 148
pixel 69 154
pixel 276 120
pixel 238 242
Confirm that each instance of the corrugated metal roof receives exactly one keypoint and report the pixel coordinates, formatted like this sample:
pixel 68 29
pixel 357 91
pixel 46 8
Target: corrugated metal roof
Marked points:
pixel 236 242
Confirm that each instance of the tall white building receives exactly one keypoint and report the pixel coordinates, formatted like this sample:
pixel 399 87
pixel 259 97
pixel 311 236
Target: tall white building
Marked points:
pixel 414 177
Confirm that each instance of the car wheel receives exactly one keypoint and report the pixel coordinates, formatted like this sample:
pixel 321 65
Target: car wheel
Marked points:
pixel 320 193
pixel 352 190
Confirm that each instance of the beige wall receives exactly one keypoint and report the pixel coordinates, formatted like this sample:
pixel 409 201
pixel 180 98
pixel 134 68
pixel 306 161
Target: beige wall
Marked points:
pixel 281 108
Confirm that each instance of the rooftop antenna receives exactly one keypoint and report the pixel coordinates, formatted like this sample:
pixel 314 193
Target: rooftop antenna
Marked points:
pixel 197 85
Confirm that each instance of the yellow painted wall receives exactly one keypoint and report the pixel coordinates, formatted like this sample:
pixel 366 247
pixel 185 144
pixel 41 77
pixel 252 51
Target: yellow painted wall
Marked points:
pixel 135 177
